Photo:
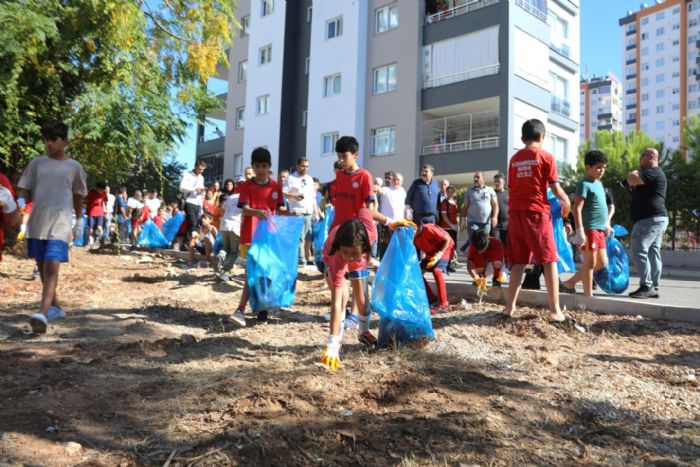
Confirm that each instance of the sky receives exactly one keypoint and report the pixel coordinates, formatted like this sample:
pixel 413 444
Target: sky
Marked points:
pixel 601 52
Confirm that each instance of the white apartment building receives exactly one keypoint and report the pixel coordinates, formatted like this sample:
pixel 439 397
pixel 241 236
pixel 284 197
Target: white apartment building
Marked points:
pixel 661 70
pixel 601 105
pixel 414 83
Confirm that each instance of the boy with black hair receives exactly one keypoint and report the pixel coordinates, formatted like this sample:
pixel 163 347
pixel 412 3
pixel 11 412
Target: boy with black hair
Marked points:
pixel 438 247
pixel 260 197
pixel 56 185
pixel 591 221
pixel 483 250
pixel 96 200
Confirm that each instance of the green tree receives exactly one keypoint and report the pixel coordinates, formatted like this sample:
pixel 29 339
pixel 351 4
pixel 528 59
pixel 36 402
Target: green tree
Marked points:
pixel 124 74
pixel 163 176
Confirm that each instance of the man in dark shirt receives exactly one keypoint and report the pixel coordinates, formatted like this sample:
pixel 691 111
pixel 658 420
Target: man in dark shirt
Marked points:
pixel 422 197
pixel 648 211
pixel 501 229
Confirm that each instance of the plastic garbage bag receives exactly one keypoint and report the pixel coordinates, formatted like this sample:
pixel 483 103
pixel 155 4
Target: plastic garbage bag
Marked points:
pixel 172 225
pixel 151 236
pixel 619 231
pixel 319 234
pixel 566 255
pixel 272 261
pixel 83 240
pixel 218 244
pixel 399 296
pixel 615 277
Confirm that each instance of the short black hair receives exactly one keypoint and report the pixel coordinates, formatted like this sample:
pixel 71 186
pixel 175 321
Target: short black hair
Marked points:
pixel 532 130
pixel 500 175
pixel 261 156
pixel 54 129
pixel 206 215
pixel 122 189
pixel 347 144
pixel 101 185
pixel 302 159
pixel 200 163
pixel 594 157
pixel 480 239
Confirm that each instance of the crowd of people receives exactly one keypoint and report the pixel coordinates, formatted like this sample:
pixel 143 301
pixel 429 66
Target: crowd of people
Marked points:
pixel 506 228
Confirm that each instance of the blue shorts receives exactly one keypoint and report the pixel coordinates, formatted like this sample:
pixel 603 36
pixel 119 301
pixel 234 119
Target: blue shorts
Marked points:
pixel 95 221
pixel 441 264
pixel 47 250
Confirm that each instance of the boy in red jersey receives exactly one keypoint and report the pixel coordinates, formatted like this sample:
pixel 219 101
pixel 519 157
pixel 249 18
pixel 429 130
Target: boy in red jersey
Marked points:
pixel 260 197
pixel 439 248
pixel 96 199
pixel 353 188
pixel 531 171
pixel 484 249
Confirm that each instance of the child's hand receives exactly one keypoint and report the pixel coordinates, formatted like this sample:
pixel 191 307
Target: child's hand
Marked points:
pixel 480 282
pixel 78 228
pixel 330 358
pixel 609 232
pixel 565 208
pixel 580 237
pixel 433 261
pixel 401 223
pixel 262 215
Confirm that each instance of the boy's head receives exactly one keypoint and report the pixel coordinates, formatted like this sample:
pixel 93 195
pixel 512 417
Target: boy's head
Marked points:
pixel 248 173
pixel 351 240
pixel 284 175
pixel 533 132
pixel 122 191
pixel 55 134
pixel 480 240
pixel 101 187
pixel 499 180
pixel 137 195
pixel 595 162
pixel 206 219
pixel 261 160
pixel 451 191
pixel 347 149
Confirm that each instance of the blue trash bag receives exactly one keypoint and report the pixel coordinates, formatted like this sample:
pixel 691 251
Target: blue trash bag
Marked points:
pixel 83 240
pixel 172 225
pixel 566 255
pixel 619 230
pixel 218 244
pixel 151 236
pixel 399 296
pixel 272 261
pixel 615 277
pixel 319 234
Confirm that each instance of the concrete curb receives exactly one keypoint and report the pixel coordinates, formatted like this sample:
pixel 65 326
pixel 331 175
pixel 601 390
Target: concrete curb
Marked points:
pixel 577 302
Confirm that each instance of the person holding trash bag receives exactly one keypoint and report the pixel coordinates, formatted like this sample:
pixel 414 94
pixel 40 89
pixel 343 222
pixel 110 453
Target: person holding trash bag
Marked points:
pixel 438 247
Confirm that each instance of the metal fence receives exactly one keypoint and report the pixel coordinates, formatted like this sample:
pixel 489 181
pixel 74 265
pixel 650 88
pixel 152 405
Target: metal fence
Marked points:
pixel 461 7
pixel 461 133
pixel 431 82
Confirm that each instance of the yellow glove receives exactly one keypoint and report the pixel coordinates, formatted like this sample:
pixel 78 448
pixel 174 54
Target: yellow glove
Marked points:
pixel 480 282
pixel 330 359
pixel 402 223
pixel 433 261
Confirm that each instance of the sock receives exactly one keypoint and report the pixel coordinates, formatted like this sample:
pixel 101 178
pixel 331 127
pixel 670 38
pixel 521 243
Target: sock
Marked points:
pixel 441 288
pixel 364 324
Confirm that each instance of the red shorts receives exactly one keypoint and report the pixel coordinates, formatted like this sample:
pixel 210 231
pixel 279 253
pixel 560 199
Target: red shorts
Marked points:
pixel 531 236
pixel 595 240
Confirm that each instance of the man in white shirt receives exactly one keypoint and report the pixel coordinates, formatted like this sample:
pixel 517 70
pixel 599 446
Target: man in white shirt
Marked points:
pixel 153 204
pixel 109 210
pixel 300 191
pixel 392 203
pixel 192 189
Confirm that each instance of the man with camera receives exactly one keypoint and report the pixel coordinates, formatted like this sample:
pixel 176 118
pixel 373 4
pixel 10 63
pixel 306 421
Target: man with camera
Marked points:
pixel 648 211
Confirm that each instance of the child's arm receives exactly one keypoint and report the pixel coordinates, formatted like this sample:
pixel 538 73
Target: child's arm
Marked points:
pixel 563 198
pixel 580 236
pixel 494 210
pixel 78 207
pixel 259 213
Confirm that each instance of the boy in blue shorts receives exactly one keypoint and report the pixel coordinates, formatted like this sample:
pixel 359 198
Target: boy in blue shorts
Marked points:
pixel 56 185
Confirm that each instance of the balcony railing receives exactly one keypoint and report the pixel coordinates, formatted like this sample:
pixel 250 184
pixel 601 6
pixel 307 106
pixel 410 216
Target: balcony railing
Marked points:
pixel 212 136
pixel 562 49
pixel 432 82
pixel 461 7
pixel 561 106
pixel 461 133
pixel 533 9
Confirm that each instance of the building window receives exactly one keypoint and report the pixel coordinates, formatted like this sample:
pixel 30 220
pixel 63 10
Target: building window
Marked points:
pixel 659 109
pixel 304 118
pixel 384 79
pixel 676 106
pixel 267 7
pixel 307 64
pixel 645 112
pixel 660 78
pixel 331 85
pixel 334 27
pixel 676 123
pixel 262 105
pixel 660 47
pixel 675 91
pixel 645 51
pixel 645 97
pixel 675 74
pixel 309 14
pixel 237 165
pixel 386 18
pixel 660 94
pixel 240 117
pixel 659 32
pixel 245 26
pixel 659 62
pixel 645 36
pixel 676 27
pixel 645 81
pixel 328 141
pixel 266 54
pixel 660 125
pixel 242 71
pixel 645 20
pixel 559 88
pixel 383 141
pixel 676 10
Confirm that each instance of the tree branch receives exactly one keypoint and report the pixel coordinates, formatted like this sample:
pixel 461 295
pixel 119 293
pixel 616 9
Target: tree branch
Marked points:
pixel 148 13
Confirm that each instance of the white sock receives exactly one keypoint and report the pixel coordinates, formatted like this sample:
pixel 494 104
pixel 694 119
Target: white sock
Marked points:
pixel 364 324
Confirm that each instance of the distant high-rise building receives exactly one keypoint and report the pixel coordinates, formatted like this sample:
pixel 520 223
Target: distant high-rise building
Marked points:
pixel 661 70
pixel 601 105
pixel 445 83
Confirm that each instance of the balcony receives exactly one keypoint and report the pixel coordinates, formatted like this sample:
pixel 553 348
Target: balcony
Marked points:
pixel 631 91
pixel 461 7
pixel 631 47
pixel 631 106
pixel 531 7
pixel 631 61
pixel 461 133
pixel 561 106
pixel 562 49
pixel 432 82
pixel 631 31
pixel 632 76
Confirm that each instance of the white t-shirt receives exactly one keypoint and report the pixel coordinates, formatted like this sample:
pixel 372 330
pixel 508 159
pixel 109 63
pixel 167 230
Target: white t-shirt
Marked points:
pixel 111 199
pixel 52 183
pixel 231 219
pixel 300 184
pixel 153 206
pixel 189 184
pixel 392 202
pixel 133 203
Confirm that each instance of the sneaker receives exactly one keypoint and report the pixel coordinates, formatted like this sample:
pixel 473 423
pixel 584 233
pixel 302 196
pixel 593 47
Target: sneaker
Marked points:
pixel 367 339
pixel 644 292
pixel 262 316
pixel 237 318
pixel 439 310
pixel 351 321
pixel 223 276
pixel 55 313
pixel 39 323
pixel 35 273
pixel 566 289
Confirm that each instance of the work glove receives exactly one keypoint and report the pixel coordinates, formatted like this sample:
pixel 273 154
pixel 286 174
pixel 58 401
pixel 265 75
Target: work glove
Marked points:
pixel 480 283
pixel 78 228
pixel 7 202
pixel 580 237
pixel 433 261
pixel 402 223
pixel 331 356
pixel 22 232
pixel 609 232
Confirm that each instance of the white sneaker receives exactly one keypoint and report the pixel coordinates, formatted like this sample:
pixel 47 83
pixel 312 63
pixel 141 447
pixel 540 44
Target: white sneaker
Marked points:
pixel 39 323
pixel 55 313
pixel 237 318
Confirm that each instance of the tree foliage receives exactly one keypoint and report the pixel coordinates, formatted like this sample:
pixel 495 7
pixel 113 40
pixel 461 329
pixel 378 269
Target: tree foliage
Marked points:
pixel 124 74
pixel 155 175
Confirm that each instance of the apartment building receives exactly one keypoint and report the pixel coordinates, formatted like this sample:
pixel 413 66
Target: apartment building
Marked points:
pixel 601 105
pixel 446 83
pixel 661 68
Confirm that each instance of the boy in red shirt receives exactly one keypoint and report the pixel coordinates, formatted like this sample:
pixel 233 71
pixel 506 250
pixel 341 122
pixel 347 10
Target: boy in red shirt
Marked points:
pixel 96 199
pixel 159 220
pixel 439 248
pixel 10 216
pixel 483 250
pixel 260 197
pixel 353 188
pixel 531 171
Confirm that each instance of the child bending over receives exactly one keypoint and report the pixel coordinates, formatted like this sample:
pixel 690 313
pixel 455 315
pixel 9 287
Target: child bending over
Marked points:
pixel 482 251
pixel 439 248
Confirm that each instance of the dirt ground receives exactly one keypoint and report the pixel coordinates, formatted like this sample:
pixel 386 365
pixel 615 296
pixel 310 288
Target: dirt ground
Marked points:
pixel 117 384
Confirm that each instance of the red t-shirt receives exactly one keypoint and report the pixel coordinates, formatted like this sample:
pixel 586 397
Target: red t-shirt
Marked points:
pixel 430 238
pixel 4 181
pixel 159 221
pixel 95 203
pixel 337 266
pixel 350 193
pixel 452 211
pixel 495 252
pixel 268 196
pixel 530 173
